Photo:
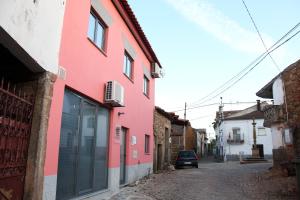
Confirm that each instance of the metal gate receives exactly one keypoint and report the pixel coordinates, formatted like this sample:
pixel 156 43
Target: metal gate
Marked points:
pixel 15 125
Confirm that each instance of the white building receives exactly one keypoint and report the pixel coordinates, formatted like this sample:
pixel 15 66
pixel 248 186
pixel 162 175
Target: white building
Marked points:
pixel 30 37
pixel 235 133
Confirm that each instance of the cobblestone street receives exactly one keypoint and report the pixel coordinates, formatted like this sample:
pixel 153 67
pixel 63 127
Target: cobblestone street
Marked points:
pixel 219 181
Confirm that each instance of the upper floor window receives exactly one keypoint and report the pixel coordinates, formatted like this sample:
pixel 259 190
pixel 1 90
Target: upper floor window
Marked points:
pixel 146 86
pixel 236 134
pixel 128 66
pixel 261 131
pixel 96 31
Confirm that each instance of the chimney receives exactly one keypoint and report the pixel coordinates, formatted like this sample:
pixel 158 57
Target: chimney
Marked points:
pixel 258 105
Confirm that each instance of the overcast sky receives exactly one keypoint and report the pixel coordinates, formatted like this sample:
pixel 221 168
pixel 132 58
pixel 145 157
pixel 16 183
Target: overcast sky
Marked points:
pixel 201 44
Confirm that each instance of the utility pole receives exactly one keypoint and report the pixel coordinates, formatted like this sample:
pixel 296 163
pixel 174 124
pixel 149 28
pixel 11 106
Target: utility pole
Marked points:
pixel 221 117
pixel 184 126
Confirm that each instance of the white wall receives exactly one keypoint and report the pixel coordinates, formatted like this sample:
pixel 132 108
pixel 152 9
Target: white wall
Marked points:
pixel 246 130
pixel 36 26
pixel 278 93
pixel 277 136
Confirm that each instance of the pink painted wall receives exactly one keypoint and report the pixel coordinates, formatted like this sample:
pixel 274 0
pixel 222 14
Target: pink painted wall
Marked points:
pixel 87 72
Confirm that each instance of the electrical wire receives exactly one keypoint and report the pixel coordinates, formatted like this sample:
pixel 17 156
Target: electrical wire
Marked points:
pixel 259 58
pixel 251 68
pixel 260 36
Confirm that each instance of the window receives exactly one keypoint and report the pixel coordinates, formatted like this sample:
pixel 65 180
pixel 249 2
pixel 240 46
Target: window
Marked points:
pixel 146 86
pixel 261 131
pixel 236 134
pixel 147 143
pixel 128 63
pixel 96 31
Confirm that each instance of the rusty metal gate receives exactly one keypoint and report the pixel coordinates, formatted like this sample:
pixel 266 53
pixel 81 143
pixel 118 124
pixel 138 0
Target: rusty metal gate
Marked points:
pixel 15 125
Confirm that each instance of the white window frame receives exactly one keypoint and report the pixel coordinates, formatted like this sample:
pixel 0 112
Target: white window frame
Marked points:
pixel 128 66
pixel 146 86
pixel 98 23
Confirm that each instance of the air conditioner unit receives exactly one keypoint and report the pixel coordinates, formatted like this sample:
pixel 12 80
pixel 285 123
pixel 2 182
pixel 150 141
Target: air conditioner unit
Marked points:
pixel 114 94
pixel 155 70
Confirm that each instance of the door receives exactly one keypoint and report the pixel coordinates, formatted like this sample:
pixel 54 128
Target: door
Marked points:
pixel 159 157
pixel 15 129
pixel 82 164
pixel 167 145
pixel 69 134
pixel 123 156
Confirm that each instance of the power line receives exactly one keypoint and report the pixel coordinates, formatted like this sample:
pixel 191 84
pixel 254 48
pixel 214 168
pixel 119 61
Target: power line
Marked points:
pixel 258 59
pixel 252 68
pixel 201 117
pixel 212 104
pixel 260 36
pixel 196 107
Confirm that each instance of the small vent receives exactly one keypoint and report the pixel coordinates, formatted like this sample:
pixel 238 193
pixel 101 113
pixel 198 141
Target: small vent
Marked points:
pixel 62 73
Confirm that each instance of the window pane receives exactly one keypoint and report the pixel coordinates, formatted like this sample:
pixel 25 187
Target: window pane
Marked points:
pixel 86 148
pixel 127 66
pixel 91 30
pixel 100 36
pixel 261 131
pixel 67 149
pixel 101 149
pixel 146 86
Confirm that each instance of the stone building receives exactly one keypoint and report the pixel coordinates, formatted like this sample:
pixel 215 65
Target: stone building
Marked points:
pixel 190 138
pixel 283 117
pixel 177 136
pixel 162 130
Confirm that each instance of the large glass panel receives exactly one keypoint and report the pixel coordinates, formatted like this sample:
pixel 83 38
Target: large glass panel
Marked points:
pixel 86 148
pixel 100 36
pixel 101 149
pixel 67 149
pixel 91 29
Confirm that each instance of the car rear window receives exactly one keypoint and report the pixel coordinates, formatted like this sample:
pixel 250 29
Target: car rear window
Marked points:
pixel 186 154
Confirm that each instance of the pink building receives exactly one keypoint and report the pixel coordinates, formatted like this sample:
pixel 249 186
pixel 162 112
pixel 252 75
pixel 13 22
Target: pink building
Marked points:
pixel 100 133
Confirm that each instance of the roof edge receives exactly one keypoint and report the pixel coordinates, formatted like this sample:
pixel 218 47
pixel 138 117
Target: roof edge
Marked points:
pixel 132 23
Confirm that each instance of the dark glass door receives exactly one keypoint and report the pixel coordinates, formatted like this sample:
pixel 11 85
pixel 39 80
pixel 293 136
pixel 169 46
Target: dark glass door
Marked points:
pixel 82 166
pixel 68 146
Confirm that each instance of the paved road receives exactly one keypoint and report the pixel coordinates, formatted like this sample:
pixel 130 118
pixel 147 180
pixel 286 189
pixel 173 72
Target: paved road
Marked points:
pixel 212 181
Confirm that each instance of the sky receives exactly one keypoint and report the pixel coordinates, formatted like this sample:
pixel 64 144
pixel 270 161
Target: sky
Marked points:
pixel 201 44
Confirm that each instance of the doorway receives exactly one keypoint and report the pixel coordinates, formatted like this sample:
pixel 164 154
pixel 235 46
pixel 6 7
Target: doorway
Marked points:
pixel 123 147
pixel 82 166
pixel 159 157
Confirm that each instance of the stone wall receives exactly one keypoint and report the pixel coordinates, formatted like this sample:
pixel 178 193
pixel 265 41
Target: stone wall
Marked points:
pixel 176 146
pixel 190 139
pixel 291 77
pixel 162 129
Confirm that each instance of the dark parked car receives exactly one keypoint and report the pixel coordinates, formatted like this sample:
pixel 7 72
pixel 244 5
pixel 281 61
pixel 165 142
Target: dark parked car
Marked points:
pixel 186 158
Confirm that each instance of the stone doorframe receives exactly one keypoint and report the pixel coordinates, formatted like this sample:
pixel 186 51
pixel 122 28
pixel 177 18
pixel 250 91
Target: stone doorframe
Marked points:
pixel 34 180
